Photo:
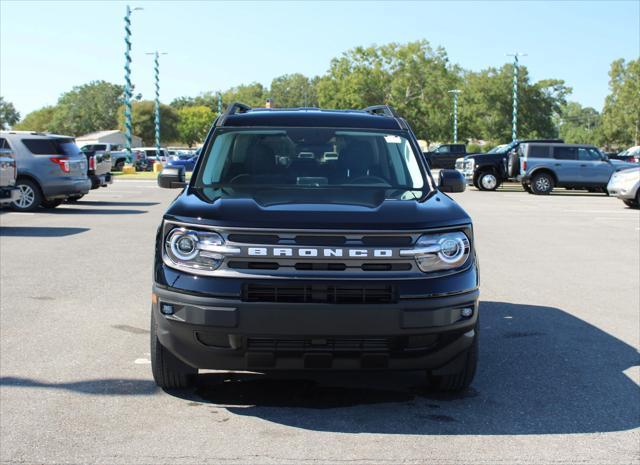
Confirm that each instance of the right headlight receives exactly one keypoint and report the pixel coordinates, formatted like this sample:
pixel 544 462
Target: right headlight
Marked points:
pixel 195 251
pixel 440 251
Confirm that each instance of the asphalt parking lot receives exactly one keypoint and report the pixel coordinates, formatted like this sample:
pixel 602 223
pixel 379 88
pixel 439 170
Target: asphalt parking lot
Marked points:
pixel 558 380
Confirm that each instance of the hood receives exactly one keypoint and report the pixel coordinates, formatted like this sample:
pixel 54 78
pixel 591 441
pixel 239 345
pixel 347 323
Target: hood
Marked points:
pixel 376 210
pixel 485 156
pixel 622 165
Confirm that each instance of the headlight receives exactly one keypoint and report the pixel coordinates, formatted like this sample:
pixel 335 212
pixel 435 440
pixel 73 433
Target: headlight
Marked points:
pixel 468 165
pixel 443 251
pixel 194 250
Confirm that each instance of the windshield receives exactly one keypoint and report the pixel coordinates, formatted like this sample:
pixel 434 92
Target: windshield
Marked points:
pixel 499 149
pixel 311 158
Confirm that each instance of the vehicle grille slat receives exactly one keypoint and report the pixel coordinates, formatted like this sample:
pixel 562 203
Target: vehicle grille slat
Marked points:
pixel 311 293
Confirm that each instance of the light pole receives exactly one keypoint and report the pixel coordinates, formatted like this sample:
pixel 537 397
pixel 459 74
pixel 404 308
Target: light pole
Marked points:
pixel 128 89
pixel 156 72
pixel 219 103
pixel 455 93
pixel 514 119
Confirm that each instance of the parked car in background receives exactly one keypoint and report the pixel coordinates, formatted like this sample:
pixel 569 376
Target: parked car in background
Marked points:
pixel 98 168
pixel 487 171
pixel 625 185
pixel 541 167
pixel 151 154
pixel 187 163
pixel 444 155
pixel 8 174
pixel 51 168
pixel 631 155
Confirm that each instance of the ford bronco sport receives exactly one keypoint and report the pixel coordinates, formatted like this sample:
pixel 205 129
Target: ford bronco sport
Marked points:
pixel 314 239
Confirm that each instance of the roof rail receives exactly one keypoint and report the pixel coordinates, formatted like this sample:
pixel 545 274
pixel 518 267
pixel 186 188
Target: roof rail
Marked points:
pixel 235 107
pixel 385 110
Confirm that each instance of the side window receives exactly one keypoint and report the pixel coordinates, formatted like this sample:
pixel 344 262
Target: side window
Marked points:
pixel 565 153
pixel 443 149
pixel 595 154
pixel 4 144
pixel 587 155
pixel 539 151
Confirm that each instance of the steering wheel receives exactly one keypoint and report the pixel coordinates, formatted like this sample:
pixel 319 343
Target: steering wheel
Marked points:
pixel 369 180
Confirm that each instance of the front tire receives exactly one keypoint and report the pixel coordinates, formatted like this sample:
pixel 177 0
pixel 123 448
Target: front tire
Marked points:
pixel 488 181
pixel 169 372
pixel 30 196
pixel 456 382
pixel 542 184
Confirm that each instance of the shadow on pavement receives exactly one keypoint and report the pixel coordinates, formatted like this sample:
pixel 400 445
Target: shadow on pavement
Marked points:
pixel 92 211
pixel 542 371
pixel 98 203
pixel 33 231
pixel 103 387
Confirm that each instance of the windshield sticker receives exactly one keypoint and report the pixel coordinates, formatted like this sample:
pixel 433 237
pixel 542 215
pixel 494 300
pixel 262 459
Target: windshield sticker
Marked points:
pixel 392 139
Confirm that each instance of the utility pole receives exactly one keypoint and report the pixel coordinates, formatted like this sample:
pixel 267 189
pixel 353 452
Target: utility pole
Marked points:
pixel 128 88
pixel 514 119
pixel 156 72
pixel 455 93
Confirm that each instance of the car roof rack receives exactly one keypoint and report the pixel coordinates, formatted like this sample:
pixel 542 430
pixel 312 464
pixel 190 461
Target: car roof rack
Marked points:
pixel 235 107
pixel 385 110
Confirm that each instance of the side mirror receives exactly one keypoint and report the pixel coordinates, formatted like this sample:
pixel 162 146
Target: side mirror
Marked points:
pixel 172 177
pixel 451 181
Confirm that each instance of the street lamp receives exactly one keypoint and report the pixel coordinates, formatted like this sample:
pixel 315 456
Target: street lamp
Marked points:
pixel 455 93
pixel 156 70
pixel 514 119
pixel 128 88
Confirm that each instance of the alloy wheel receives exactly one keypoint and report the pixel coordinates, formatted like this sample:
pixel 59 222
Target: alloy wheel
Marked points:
pixel 489 181
pixel 27 196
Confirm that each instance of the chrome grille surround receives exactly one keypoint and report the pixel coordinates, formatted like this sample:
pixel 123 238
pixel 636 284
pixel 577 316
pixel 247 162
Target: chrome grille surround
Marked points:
pixel 360 260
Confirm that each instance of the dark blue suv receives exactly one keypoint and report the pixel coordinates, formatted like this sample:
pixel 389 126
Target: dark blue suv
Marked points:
pixel 318 240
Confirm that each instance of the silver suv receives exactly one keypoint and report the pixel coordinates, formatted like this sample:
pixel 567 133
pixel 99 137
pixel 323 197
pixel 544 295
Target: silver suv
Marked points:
pixel 51 169
pixel 542 166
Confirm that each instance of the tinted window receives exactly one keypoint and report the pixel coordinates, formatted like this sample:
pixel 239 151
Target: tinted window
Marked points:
pixel 457 149
pixel 297 157
pixel 539 151
pixel 443 149
pixel 51 146
pixel 565 153
pixel 588 155
pixel 3 143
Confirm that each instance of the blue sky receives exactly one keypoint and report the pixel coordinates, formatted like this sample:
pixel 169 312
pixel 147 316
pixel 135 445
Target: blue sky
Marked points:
pixel 48 47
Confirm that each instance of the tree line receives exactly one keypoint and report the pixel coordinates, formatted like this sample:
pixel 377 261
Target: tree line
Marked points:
pixel 415 78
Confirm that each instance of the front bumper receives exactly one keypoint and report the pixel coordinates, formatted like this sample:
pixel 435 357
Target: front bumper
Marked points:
pixel 9 194
pixel 230 333
pixel 623 189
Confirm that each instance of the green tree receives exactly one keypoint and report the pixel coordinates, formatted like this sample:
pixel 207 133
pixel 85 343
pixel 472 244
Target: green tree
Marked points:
pixel 621 113
pixel 194 123
pixel 486 104
pixel 205 99
pixel 413 77
pixel 143 121
pixel 253 94
pixel 87 108
pixel 39 120
pixel 580 125
pixel 293 90
pixel 8 114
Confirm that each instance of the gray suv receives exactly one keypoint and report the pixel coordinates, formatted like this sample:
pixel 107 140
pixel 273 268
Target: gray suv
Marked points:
pixel 542 166
pixel 51 169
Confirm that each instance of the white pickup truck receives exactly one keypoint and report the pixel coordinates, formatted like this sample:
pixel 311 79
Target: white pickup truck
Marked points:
pixel 118 155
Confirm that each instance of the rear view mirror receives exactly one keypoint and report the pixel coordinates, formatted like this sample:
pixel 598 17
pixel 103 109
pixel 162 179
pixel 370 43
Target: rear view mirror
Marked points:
pixel 451 181
pixel 172 177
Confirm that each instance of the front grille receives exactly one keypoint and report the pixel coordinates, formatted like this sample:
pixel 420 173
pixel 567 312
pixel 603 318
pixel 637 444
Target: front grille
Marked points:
pixel 316 293
pixel 331 344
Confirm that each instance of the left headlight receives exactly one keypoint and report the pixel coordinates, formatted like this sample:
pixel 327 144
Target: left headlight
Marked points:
pixel 440 251
pixel 194 250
